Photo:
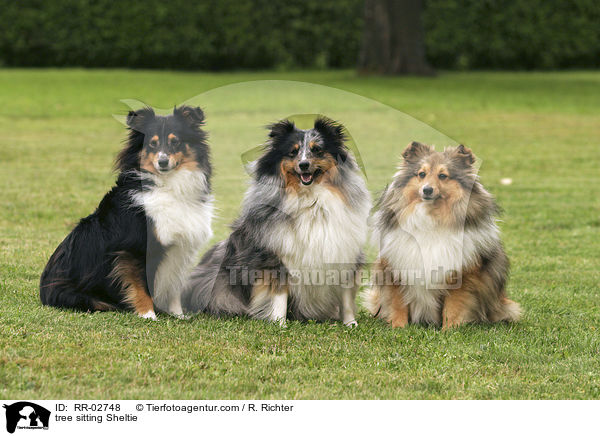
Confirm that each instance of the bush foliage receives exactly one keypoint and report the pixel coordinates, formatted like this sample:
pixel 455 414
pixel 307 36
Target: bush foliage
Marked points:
pixel 513 34
pixel 181 34
pixel 253 34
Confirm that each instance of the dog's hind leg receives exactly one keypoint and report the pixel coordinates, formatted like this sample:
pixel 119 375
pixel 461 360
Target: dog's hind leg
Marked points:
pixel 269 302
pixel 399 310
pixel 142 302
pixel 128 272
pixel 458 308
pixel 137 297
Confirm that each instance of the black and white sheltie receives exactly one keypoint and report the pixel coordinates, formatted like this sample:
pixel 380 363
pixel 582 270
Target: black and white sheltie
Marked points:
pixel 441 258
pixel 297 245
pixel 135 250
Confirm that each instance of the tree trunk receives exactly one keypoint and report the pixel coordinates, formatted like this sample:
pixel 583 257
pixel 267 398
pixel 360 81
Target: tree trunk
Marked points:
pixel 393 38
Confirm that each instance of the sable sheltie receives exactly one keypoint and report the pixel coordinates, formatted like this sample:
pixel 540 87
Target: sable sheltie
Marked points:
pixel 296 248
pixel 441 258
pixel 135 250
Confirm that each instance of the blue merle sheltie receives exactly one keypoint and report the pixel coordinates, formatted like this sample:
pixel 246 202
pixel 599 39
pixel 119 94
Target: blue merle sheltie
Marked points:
pixel 296 248
pixel 134 251
pixel 441 259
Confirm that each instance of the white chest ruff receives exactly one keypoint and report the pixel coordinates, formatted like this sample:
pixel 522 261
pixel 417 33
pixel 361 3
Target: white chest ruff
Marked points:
pixel 424 254
pixel 180 213
pixel 179 207
pixel 319 247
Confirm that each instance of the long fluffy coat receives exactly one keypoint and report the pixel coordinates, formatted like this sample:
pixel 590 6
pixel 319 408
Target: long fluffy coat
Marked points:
pixel 135 250
pixel 288 232
pixel 441 260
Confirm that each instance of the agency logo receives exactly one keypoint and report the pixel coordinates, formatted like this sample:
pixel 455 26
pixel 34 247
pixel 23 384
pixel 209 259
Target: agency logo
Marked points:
pixel 26 415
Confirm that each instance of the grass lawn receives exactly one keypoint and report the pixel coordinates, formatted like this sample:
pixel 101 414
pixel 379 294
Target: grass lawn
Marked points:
pixel 540 129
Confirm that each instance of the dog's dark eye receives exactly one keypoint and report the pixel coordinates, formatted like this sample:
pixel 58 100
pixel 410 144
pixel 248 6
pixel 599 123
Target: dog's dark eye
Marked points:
pixel 293 153
pixel 442 176
pixel 153 143
pixel 174 141
pixel 422 174
pixel 317 150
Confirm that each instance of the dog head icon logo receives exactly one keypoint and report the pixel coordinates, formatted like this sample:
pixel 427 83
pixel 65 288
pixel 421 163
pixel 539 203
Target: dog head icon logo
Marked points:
pixel 24 414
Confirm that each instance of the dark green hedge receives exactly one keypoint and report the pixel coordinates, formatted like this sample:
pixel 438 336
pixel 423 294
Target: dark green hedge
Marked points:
pixel 228 34
pixel 204 34
pixel 513 34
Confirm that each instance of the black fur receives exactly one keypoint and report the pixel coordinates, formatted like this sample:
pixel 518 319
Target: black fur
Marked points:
pixel 215 286
pixel 284 134
pixel 78 274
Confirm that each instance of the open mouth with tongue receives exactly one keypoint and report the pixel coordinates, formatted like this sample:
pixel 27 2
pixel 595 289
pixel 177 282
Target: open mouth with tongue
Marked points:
pixel 306 178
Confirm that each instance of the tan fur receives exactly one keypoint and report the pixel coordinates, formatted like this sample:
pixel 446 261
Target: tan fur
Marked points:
pixel 475 294
pixel 290 177
pixel 475 300
pixel 385 299
pixel 179 158
pixel 399 311
pixel 188 159
pixel 448 193
pixel 328 167
pixel 127 271
pixel 103 307
pixel 267 286
pixel 510 312
pixel 185 159
pixel 458 308
pixel 147 160
pixel 262 295
pixel 328 172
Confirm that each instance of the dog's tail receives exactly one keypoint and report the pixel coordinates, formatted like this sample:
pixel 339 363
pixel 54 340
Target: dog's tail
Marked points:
pixel 512 310
pixel 209 289
pixel 509 311
pixel 61 293
pixel 371 300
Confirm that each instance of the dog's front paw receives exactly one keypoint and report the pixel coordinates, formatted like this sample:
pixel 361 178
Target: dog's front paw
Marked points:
pixel 282 322
pixel 148 315
pixel 352 323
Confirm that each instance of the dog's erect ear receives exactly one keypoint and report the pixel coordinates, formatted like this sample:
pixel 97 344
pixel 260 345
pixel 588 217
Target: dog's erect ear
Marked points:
pixel 280 130
pixel 192 115
pixel 330 130
pixel 464 154
pixel 137 119
pixel 416 151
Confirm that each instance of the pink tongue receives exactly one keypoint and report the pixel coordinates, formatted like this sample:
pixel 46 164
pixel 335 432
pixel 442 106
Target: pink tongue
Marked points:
pixel 306 177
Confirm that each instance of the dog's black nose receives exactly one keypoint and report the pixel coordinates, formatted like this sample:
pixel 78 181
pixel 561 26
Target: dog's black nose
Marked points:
pixel 304 165
pixel 427 190
pixel 163 163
